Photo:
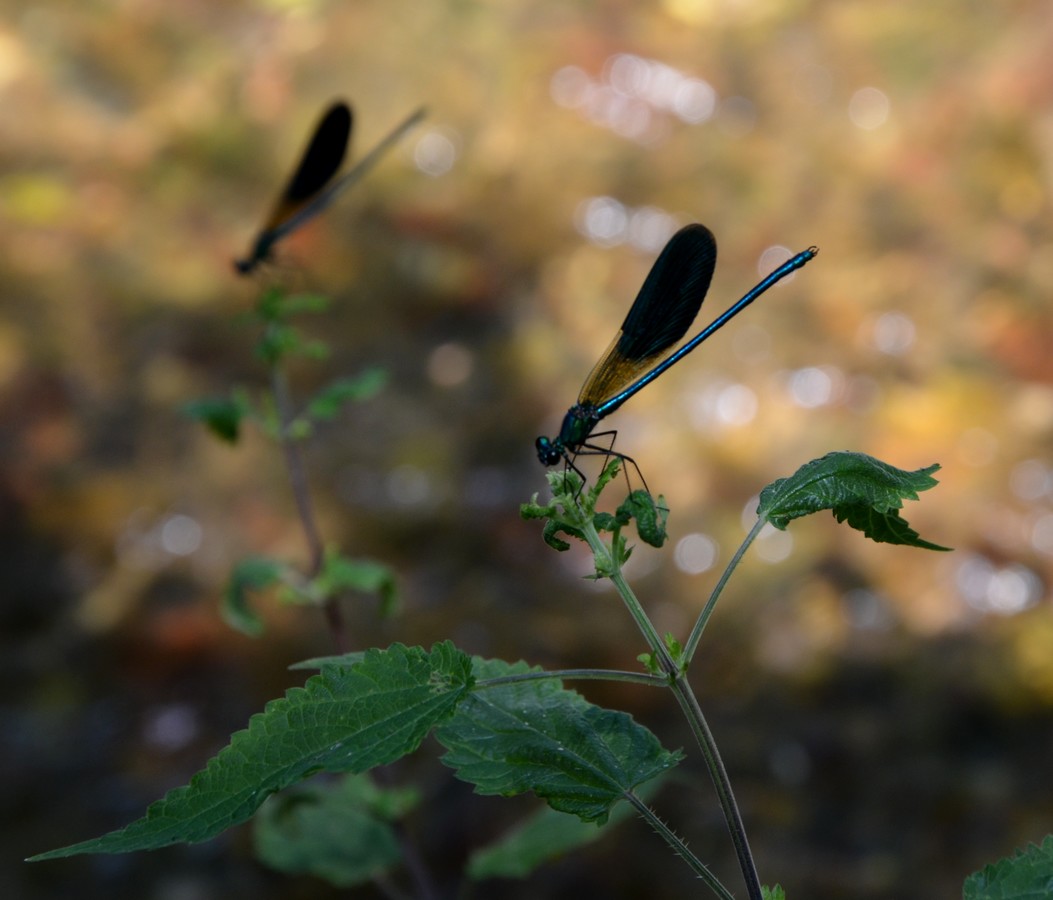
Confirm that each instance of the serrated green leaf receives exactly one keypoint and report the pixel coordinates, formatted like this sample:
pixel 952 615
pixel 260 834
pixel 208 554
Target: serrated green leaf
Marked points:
pixel 329 401
pixel 537 736
pixel 542 837
pixel 772 893
pixel 1027 875
pixel 343 720
pixel 256 573
pixel 338 832
pixel 860 490
pixel 221 415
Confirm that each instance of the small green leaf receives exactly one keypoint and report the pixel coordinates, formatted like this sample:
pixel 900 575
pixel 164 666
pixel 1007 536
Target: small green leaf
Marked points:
pixel 650 516
pixel 619 556
pixel 340 573
pixel 275 305
pixel 299 429
pixel 256 573
pixel 550 534
pixel 650 662
pixel 280 341
pixel 536 736
pixel 1027 875
pixel 221 415
pixel 329 401
pixel 860 490
pixel 675 648
pixel 772 893
pixel 295 304
pixel 315 350
pixel 343 720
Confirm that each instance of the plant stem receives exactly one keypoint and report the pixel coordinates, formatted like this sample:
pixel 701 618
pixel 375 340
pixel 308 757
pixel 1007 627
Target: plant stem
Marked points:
pixel 689 703
pixel 677 680
pixel 579 675
pixel 297 471
pixel 606 564
pixel 703 619
pixel 679 847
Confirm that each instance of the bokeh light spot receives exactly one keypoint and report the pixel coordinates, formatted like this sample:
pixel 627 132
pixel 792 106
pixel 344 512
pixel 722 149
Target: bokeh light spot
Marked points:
pixel 869 108
pixel 695 553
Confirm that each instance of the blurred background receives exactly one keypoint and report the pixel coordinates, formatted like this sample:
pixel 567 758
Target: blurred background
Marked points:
pixel 886 713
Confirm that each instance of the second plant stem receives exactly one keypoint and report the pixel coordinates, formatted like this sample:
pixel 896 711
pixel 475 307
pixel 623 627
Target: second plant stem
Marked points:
pixel 297 471
pixel 688 703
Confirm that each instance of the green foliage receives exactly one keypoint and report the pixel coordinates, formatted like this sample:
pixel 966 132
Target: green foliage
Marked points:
pixel 861 491
pixel 571 510
pixel 508 729
pixel 343 720
pixel 341 573
pixel 504 736
pixel 338 574
pixel 256 573
pixel 1027 875
pixel 341 832
pixel 544 836
pixel 329 401
pixel 537 736
pixel 281 340
pixel 221 415
pixel 650 517
pixel 276 305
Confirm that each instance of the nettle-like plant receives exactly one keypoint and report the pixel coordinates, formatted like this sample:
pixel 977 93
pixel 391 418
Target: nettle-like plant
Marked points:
pixel 508 728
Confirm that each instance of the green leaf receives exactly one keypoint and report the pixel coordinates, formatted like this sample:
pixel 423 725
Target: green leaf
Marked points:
pixel 860 490
pixel 340 573
pixel 1027 875
pixel 536 736
pixel 317 662
pixel 550 534
pixel 343 720
pixel 255 573
pixel 277 342
pixel 565 514
pixel 221 415
pixel 275 305
pixel 772 893
pixel 329 401
pixel 542 837
pixel 340 833
pixel 650 517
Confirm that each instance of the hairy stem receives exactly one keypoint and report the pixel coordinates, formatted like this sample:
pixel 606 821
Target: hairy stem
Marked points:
pixel 679 847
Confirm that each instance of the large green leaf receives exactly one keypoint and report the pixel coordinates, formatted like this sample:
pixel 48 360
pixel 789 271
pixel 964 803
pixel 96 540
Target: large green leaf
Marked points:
pixel 344 720
pixel 860 490
pixel 536 736
pixel 1027 875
